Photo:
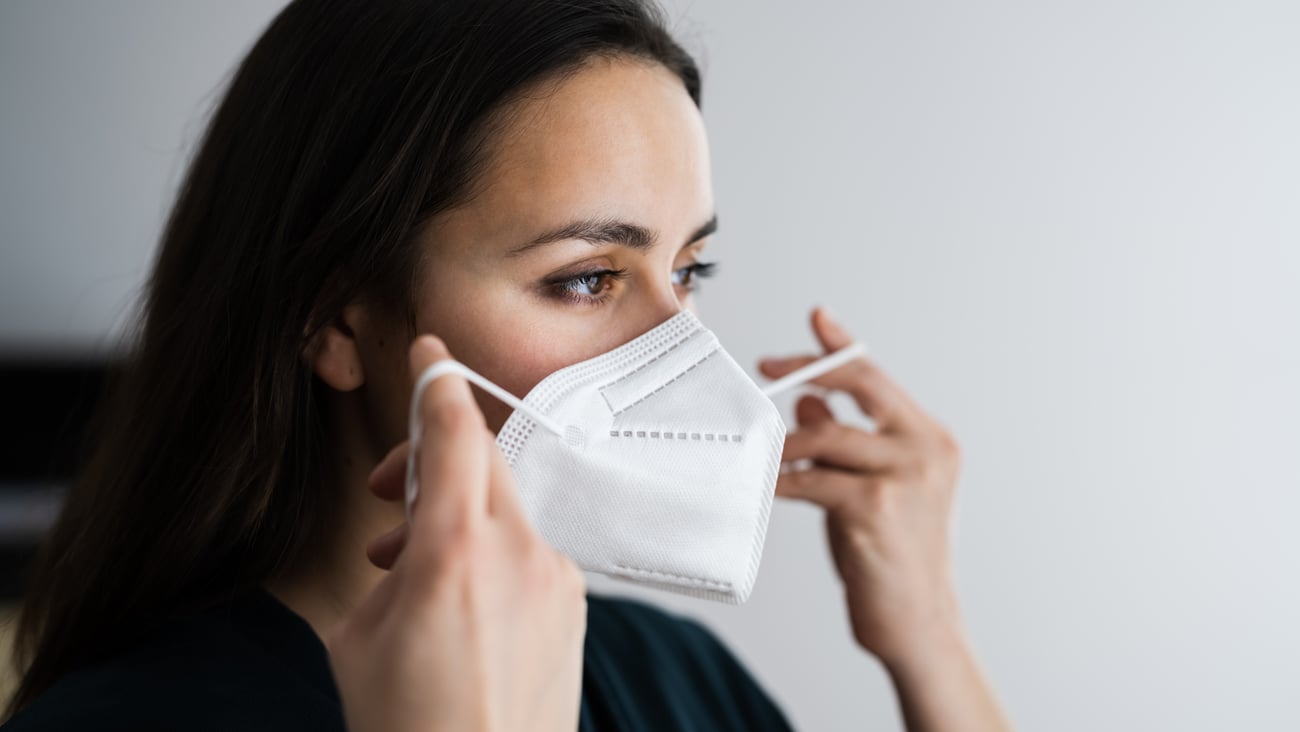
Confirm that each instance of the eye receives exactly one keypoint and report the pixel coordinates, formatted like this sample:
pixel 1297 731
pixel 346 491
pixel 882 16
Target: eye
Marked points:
pixel 685 276
pixel 586 287
pixel 591 284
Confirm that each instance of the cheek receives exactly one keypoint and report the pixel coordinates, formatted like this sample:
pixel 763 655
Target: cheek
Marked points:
pixel 513 343
pixel 517 359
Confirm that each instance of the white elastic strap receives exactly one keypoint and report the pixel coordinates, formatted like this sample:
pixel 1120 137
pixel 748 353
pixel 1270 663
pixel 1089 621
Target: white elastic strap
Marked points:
pixel 450 366
pixel 827 363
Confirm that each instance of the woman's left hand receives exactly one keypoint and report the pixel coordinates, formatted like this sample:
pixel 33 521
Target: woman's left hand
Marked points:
pixel 888 497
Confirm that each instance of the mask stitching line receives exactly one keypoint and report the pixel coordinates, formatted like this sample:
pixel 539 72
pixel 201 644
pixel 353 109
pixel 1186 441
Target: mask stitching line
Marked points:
pixel 560 390
pixel 669 435
pixel 666 352
pixel 554 391
pixel 661 386
pixel 712 584
pixel 764 515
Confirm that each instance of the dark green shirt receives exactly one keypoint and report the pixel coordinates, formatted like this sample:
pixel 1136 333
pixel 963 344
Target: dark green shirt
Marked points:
pixel 257 665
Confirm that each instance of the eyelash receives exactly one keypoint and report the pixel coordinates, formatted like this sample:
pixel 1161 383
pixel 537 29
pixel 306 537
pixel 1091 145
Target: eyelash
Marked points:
pixel 565 288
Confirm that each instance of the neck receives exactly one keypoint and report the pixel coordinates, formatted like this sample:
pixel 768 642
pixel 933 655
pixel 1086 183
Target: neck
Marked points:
pixel 326 588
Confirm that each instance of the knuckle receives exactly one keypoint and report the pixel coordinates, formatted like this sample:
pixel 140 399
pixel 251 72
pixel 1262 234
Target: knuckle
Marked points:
pixel 459 550
pixel 949 451
pixel 575 580
pixel 535 562
pixel 843 438
pixel 952 447
pixel 889 486
pixel 943 435
pixel 560 576
pixel 914 460
pixel 818 432
pixel 865 371
pixel 873 499
pixel 860 366
pixel 553 573
pixel 834 430
pixel 923 465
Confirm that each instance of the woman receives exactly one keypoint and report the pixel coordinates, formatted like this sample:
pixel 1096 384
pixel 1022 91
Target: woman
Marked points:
pixel 379 170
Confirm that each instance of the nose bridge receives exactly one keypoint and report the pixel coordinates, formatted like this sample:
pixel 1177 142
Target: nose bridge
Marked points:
pixel 662 304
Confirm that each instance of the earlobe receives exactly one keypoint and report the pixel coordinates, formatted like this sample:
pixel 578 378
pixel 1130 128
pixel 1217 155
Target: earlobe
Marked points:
pixel 334 355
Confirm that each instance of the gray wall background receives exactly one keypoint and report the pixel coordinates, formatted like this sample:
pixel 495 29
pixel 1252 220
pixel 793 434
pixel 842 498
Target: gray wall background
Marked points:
pixel 1071 229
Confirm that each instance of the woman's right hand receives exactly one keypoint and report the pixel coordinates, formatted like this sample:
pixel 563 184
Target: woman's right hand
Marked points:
pixel 479 624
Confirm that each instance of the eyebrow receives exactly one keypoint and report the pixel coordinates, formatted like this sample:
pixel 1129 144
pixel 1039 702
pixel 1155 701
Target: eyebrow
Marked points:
pixel 610 231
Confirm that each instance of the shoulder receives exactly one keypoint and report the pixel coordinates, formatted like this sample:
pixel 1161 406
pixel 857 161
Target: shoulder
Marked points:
pixel 199 674
pixel 680 660
pixel 154 687
pixel 107 697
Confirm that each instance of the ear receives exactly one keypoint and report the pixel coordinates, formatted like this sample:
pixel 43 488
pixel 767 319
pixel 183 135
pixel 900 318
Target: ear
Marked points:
pixel 333 353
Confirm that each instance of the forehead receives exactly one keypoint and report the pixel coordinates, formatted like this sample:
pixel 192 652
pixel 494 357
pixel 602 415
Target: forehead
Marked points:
pixel 620 137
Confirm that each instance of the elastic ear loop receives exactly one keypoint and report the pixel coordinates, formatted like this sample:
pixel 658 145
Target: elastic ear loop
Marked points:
pixel 416 426
pixel 825 364
pixel 446 366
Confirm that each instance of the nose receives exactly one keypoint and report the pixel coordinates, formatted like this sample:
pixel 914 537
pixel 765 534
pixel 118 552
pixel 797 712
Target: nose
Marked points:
pixel 661 304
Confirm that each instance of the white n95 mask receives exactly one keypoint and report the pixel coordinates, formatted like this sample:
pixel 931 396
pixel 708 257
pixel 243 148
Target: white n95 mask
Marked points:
pixel 654 462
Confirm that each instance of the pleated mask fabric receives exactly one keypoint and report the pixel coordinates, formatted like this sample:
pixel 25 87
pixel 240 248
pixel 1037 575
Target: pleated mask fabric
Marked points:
pixel 654 462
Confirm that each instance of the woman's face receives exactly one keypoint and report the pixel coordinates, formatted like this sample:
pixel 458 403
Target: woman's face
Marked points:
pixel 596 206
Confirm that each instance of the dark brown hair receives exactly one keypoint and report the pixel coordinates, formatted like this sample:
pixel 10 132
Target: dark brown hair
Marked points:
pixel 348 124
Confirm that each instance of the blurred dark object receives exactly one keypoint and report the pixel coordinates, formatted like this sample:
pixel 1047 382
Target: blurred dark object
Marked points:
pixel 48 402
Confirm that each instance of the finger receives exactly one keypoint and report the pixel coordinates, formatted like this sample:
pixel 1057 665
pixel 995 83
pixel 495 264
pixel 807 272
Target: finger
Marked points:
pixel 833 336
pixel 503 493
pixel 874 391
pixel 388 479
pixel 812 410
pixel 829 488
pixel 860 380
pixel 451 450
pixel 841 446
pixel 383 552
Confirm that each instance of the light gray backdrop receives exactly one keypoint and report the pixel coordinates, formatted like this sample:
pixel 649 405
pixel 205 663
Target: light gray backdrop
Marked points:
pixel 1071 229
